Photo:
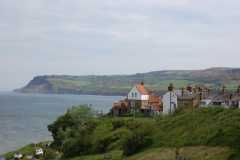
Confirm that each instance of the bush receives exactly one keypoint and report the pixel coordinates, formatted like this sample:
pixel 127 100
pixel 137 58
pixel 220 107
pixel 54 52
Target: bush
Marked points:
pixel 76 146
pixel 70 120
pixel 139 137
pixel 117 123
pixel 50 154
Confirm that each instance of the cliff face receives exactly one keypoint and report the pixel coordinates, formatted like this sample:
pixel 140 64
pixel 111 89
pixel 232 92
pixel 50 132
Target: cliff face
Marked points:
pixel 39 84
pixel 120 84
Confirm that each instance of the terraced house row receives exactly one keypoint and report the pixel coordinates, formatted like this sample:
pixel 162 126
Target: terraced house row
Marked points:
pixel 142 100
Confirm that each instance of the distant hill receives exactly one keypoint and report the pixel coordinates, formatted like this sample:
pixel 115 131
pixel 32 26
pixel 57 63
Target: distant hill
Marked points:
pixel 157 81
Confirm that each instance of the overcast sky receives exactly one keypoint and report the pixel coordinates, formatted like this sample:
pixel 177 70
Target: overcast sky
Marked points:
pixel 82 37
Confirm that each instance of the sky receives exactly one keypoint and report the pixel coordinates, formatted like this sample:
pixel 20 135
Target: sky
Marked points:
pixel 86 37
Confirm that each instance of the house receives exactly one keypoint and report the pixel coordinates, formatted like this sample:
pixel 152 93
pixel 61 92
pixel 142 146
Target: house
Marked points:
pixel 142 99
pixel 18 156
pixel 120 108
pixel 39 152
pixel 223 99
pixel 139 99
pixel 30 157
pixel 170 100
pixel 138 96
pixel 189 97
pixel 236 101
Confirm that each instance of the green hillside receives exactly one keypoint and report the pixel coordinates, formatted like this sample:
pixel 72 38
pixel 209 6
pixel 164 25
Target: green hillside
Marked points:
pixel 120 84
pixel 204 134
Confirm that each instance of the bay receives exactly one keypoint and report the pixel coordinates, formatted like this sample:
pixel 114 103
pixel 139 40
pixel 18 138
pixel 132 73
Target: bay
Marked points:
pixel 24 117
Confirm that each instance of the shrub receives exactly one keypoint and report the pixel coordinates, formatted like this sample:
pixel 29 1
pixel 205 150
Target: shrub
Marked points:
pixel 71 119
pixel 138 138
pixel 117 123
pixel 76 146
pixel 50 154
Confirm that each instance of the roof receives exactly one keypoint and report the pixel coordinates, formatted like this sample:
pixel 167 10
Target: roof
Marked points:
pixel 154 99
pixel 186 95
pixel 141 89
pixel 236 97
pixel 121 104
pixel 221 97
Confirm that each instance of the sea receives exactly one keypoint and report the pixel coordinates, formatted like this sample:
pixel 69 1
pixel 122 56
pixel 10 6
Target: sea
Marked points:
pixel 24 117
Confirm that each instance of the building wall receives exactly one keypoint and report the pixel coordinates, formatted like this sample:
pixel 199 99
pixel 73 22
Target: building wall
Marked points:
pixel 145 97
pixel 188 102
pixel 169 102
pixel 144 104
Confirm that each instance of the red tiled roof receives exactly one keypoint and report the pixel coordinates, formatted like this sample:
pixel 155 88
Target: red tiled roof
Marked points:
pixel 153 98
pixel 142 89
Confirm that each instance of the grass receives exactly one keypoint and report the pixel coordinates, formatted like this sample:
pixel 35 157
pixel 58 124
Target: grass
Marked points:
pixel 27 150
pixel 204 134
pixel 193 153
pixel 114 155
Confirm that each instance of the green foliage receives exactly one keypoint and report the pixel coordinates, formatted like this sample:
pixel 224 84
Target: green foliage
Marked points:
pixel 136 140
pixel 78 119
pixel 76 146
pixel 79 132
pixel 50 154
pixel 208 126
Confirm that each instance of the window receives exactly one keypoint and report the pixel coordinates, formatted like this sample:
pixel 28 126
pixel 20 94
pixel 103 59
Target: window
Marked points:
pixel 136 94
pixel 132 94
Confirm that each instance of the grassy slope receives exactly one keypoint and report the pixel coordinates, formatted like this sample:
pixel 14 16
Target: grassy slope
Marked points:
pixel 194 153
pixel 27 150
pixel 211 134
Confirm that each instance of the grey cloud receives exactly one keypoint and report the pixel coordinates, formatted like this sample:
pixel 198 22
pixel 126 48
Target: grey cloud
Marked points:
pixel 90 37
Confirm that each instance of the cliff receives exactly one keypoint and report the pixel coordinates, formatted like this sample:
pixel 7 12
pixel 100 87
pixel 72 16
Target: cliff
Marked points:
pixel 120 84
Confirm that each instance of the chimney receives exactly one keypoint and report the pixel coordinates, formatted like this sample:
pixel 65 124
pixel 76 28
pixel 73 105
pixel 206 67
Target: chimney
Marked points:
pixel 189 88
pixel 223 89
pixel 208 91
pixel 170 88
pixel 182 91
pixel 201 96
pixel 238 90
pixel 200 89
pixel 231 96
pixel 194 90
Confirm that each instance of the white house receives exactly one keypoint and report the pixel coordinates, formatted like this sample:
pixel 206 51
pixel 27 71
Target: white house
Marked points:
pixel 169 101
pixel 138 93
pixel 39 152
pixel 18 156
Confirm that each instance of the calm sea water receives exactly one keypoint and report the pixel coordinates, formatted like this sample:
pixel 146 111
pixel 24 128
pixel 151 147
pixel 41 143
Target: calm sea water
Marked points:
pixel 24 117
